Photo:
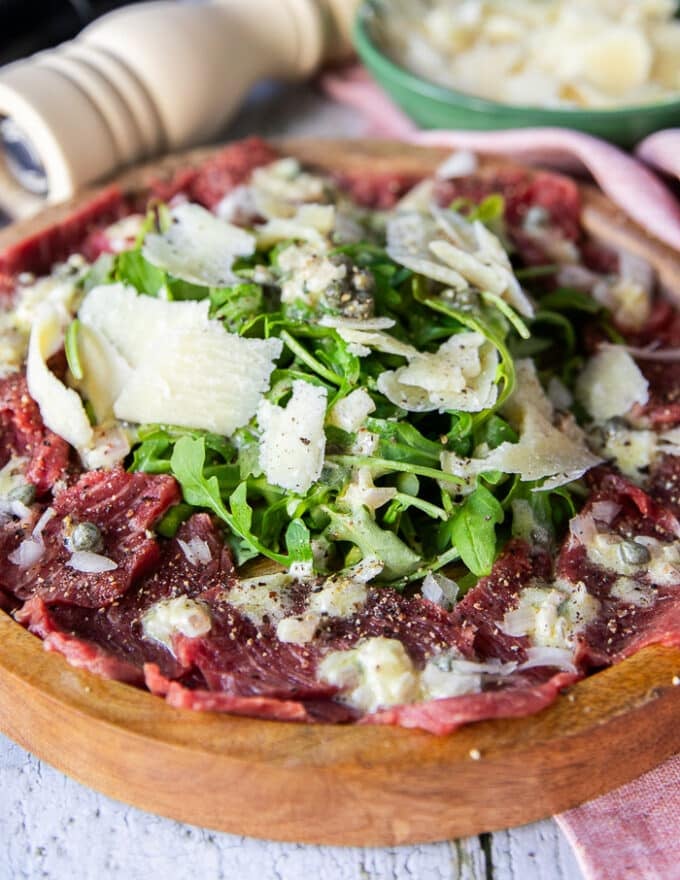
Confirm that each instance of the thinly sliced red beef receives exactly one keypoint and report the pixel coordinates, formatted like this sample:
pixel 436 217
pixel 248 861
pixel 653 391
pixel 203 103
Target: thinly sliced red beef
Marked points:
pixel 378 190
pixel 181 697
pixel 23 433
pixel 117 630
pixel 640 513
pixel 210 181
pixel 519 698
pixel 522 189
pixel 662 328
pixel 238 658
pixel 421 626
pixel 39 619
pixel 622 628
pixel 479 613
pixel 662 410
pixel 125 507
pixel 664 483
pixel 41 251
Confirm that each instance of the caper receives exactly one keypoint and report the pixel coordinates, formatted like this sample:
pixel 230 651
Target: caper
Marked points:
pixel 633 553
pixel 24 492
pixel 85 536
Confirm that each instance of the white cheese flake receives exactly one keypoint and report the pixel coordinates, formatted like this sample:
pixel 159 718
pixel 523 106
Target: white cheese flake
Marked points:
pixel 552 616
pixel 378 673
pixel 262 598
pixel 105 372
pixel 293 443
pixel 171 617
pixel 362 492
pixel 205 378
pixel 198 247
pixel 543 450
pixel 182 367
pixel 310 223
pixel 350 412
pixel 634 451
pixel 137 325
pixel 61 408
pixel 611 384
pixel 459 376
pixel 307 274
pixel 657 562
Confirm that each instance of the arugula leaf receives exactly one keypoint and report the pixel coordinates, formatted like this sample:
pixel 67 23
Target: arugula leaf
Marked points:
pixel 71 350
pixel 188 459
pixel 473 530
pixel 236 305
pixel 358 527
pixel 299 541
pixel 402 441
pixel 132 268
pixel 100 272
pixel 489 209
pixel 496 431
pixel 507 312
pixel 566 299
pixel 169 524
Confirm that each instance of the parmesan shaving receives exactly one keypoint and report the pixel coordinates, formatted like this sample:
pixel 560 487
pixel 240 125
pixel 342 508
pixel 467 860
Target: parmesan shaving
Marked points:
pixel 61 408
pixel 543 451
pixel 169 363
pixel 611 384
pixel 460 375
pixel 350 412
pixel 198 247
pixel 293 442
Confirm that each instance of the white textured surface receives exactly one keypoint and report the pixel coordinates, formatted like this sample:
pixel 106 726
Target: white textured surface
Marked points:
pixel 53 828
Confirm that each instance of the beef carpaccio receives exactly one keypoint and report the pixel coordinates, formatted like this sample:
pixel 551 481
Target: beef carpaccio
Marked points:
pixel 339 446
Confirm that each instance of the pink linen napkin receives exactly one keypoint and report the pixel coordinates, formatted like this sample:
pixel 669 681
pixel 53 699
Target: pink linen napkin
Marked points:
pixel 632 833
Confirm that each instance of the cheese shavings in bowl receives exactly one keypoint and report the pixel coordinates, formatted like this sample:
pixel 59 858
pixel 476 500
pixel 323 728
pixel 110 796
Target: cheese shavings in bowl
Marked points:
pixel 554 53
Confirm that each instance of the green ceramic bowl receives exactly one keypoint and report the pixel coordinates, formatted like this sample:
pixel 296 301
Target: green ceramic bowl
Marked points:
pixel 435 106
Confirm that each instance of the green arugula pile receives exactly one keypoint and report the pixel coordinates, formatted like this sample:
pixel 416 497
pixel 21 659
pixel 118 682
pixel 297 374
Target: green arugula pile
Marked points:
pixel 434 520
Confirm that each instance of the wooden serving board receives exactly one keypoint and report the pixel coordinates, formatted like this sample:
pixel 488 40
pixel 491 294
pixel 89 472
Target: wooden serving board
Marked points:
pixel 353 785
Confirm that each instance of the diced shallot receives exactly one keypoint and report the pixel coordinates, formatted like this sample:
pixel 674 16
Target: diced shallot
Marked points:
pixel 196 551
pixel 583 528
pixel 558 657
pixel 605 511
pixel 27 553
pixel 90 563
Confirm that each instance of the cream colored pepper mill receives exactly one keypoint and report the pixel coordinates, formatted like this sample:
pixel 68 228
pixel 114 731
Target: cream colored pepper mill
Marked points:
pixel 160 76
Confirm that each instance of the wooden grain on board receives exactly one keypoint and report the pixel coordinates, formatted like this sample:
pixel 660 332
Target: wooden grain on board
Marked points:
pixel 336 784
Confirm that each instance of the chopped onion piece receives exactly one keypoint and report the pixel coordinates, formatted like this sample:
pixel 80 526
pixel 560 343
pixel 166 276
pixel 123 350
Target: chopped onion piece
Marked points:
pixel 440 589
pixel 605 511
pixel 47 515
pixel 649 352
pixel 196 551
pixel 27 553
pixel 14 507
pixel 559 657
pixel 91 563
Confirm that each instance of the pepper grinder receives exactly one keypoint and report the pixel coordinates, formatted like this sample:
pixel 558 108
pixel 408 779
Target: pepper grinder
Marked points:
pixel 152 78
